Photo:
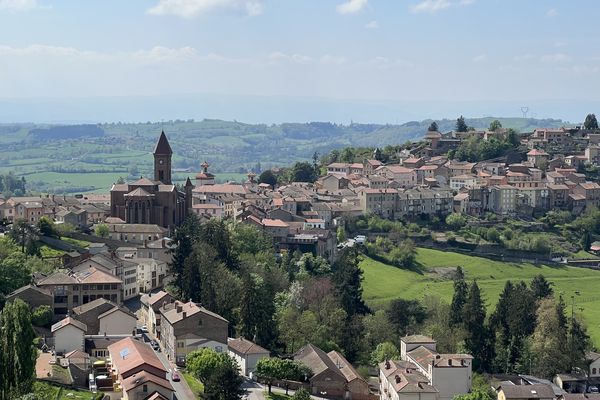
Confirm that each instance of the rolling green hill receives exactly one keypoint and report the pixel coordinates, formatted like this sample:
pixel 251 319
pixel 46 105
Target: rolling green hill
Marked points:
pixel 383 282
pixel 79 158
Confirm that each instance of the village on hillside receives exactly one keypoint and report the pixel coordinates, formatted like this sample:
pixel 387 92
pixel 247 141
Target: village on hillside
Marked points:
pixel 115 328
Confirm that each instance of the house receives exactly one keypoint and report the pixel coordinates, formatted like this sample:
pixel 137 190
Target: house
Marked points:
pixel 593 359
pixel 76 217
pixel 450 374
pixel 186 327
pixel 378 201
pixel 68 335
pixel 459 181
pixel 30 211
pixel 510 391
pixel 151 274
pixel 73 289
pixel 327 379
pixel 400 380
pixel 104 317
pixel 246 354
pixel 32 295
pixel 137 371
pixel 405 177
pixel 591 191
pixel 356 386
pixel 151 315
pixel 538 158
pixel 136 233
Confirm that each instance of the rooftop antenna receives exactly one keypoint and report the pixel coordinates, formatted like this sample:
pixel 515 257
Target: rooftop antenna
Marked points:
pixel 524 110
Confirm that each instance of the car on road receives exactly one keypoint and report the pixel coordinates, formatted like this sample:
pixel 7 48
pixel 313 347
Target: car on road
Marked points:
pixel 144 329
pixel 175 377
pixel 154 345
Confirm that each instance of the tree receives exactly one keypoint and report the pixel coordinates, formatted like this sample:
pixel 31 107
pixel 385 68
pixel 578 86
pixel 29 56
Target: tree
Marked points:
pixel 15 273
pixel 433 127
pixel 459 298
pixel 24 234
pixel 219 373
pixel 579 344
pixel 540 287
pixel 384 351
pixel 378 328
pixel 477 338
pixel 247 238
pixel 341 234
pixel 495 125
pixel 120 181
pixel 42 316
pixel 267 177
pixel 404 255
pixel 549 340
pixel 17 352
pixel 257 311
pixel 461 125
pixel 101 230
pixel 347 279
pixel 405 315
pixel 303 172
pixel 590 122
pixel 46 227
pixel 272 369
pixel 456 221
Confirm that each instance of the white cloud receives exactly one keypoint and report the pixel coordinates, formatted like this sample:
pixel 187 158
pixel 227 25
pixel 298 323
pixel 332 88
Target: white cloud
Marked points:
pixel 194 8
pixel 555 58
pixel 466 2
pixel 480 58
pixel 18 5
pixel 351 6
pixel 293 58
pixel 431 6
pixel 372 25
pixel 552 12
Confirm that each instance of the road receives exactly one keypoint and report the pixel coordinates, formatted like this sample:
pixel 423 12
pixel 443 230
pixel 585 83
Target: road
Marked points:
pixel 256 391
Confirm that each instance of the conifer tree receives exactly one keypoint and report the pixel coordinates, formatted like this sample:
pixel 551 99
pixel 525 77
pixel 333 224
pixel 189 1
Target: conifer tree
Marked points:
pixel 459 298
pixel 461 125
pixel 540 287
pixel 477 337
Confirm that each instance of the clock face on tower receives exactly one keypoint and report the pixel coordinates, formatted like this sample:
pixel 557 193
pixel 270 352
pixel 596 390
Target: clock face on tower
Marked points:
pixel 161 162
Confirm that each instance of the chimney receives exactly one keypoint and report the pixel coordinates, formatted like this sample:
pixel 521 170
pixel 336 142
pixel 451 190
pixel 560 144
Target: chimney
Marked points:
pixel 398 379
pixel 387 364
pixel 184 315
pixel 450 362
pixel 178 308
pixel 149 294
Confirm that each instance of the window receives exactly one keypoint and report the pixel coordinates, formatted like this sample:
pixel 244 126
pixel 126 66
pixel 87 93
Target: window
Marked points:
pixel 145 389
pixel 113 286
pixel 200 322
pixel 75 298
pixel 219 349
pixel 593 371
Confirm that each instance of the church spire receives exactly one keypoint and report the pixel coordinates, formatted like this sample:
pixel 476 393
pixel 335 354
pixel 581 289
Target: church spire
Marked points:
pixel 163 147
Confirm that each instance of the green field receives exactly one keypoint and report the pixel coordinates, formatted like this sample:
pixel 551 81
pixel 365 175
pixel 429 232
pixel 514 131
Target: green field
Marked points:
pixel 383 282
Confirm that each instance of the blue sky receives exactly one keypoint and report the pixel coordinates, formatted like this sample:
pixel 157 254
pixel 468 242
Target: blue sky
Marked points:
pixel 472 51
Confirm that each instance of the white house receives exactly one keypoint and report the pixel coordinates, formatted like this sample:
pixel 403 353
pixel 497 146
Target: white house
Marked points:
pixel 246 354
pixel 423 373
pixel 68 335
pixel 594 359
pixel 117 321
pixel 150 273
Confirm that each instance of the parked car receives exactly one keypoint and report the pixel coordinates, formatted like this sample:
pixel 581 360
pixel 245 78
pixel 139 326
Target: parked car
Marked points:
pixel 154 345
pixel 175 377
pixel 144 329
pixel 593 389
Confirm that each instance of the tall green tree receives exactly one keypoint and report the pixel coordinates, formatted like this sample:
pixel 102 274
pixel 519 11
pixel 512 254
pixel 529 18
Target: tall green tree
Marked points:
pixel 433 127
pixel 540 287
pixel 17 352
pixel 384 351
pixel 549 340
pixel 406 315
pixel 347 279
pixel 257 311
pixel 579 344
pixel 219 373
pixel 461 125
pixel 477 340
pixel 267 177
pixel 25 235
pixel 590 122
pixel 15 273
pixel 459 297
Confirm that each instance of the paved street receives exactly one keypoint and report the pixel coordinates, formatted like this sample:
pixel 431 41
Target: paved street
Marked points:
pixel 182 390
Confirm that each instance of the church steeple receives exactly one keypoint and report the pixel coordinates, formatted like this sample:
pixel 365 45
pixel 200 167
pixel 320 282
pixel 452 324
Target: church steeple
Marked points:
pixel 162 160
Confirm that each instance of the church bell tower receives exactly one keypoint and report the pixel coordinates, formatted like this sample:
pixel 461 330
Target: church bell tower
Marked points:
pixel 162 160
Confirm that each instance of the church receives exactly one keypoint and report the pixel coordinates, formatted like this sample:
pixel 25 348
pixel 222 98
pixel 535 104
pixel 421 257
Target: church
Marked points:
pixel 155 201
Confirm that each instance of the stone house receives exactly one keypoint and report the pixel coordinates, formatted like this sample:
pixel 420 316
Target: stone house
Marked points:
pixel 151 316
pixel 99 318
pixel 186 327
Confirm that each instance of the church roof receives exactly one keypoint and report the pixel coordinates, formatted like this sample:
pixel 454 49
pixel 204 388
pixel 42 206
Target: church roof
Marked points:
pixel 162 146
pixel 143 182
pixel 139 192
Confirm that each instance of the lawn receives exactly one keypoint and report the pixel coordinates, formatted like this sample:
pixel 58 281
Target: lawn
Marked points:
pixel 276 396
pixel 194 384
pixel 383 282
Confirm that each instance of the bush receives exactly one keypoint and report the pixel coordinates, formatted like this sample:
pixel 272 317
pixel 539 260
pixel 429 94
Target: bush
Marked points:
pixel 42 316
pixel 301 394
pixel 456 221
